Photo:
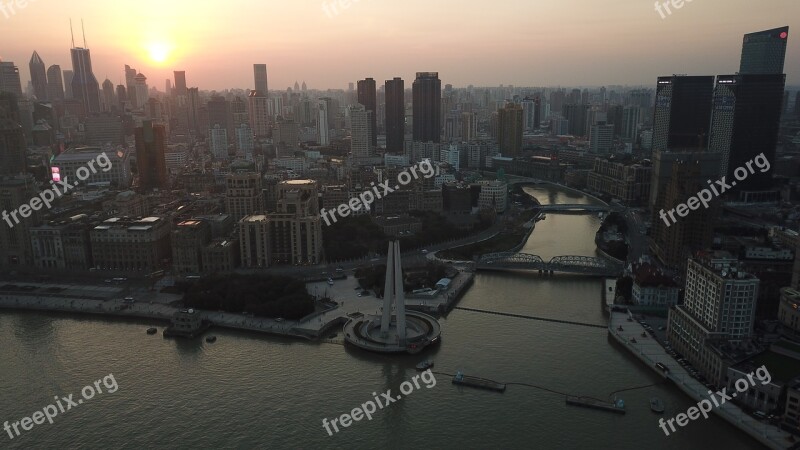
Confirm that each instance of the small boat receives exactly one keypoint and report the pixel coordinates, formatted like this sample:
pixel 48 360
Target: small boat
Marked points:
pixel 152 330
pixel 211 339
pixel 656 405
pixel 425 365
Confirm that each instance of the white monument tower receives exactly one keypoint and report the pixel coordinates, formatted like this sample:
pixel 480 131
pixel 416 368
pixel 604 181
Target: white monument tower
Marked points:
pixel 393 294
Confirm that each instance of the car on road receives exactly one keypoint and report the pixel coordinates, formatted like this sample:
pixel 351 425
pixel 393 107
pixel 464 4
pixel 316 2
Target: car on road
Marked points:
pixel 424 251
pixel 360 294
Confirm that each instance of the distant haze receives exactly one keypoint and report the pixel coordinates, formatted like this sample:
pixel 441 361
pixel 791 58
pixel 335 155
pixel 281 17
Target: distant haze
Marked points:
pixel 518 42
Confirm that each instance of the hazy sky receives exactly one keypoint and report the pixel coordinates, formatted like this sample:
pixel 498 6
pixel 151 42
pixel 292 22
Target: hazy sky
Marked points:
pixel 519 42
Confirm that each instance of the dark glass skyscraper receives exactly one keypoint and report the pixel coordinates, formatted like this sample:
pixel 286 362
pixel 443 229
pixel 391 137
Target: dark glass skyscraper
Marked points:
pixel 682 112
pixel 427 113
pixel 151 142
pixel 745 122
pixel 367 96
pixel 395 114
pixel 38 77
pixel 84 85
pixel 764 52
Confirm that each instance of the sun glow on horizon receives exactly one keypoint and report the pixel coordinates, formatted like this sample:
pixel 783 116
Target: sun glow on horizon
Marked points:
pixel 159 52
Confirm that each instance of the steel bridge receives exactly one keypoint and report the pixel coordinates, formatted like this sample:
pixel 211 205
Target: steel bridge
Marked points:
pixel 584 265
pixel 577 208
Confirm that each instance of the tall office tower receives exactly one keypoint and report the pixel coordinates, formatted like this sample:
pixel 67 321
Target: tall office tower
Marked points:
pixel 180 82
pixel 682 112
pixel 141 91
pixel 745 123
pixel 218 138
pixel 244 142
pixel 219 113
pixel 68 76
pixel 764 52
pixel 427 107
pixel 323 132
pixel 84 84
pixel 193 107
pixel 122 97
pixel 9 79
pixel 469 126
pixel 509 130
pixel 332 107
pixel 55 83
pixel 641 98
pixel 395 114
pixel 351 86
pixel 631 118
pixel 260 76
pixel 151 144
pixel 452 127
pixel 13 148
pixel 614 116
pixel 675 242
pixel 168 87
pixel 528 112
pixel 109 103
pixel 258 112
pixel 361 133
pixel 576 115
pixel 575 97
pixel 38 77
pixel 585 97
pixel 367 96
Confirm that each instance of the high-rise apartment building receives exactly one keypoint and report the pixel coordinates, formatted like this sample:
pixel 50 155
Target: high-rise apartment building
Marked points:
pixel 258 112
pixel 427 107
pixel 361 133
pixel 9 79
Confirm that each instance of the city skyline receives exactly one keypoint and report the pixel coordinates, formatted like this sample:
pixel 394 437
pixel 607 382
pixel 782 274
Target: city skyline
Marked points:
pixel 173 40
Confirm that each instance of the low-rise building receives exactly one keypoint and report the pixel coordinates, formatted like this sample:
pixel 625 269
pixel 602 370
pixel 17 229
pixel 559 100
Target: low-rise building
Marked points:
pixel 131 245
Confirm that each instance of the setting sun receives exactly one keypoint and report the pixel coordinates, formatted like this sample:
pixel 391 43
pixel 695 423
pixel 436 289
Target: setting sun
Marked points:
pixel 159 52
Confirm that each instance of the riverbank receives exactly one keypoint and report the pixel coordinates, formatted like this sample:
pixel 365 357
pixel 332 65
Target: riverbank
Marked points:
pixel 649 352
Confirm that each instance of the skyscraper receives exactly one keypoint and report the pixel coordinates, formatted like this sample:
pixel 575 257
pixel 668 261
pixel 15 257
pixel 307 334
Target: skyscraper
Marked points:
pixel 395 114
pixel 109 103
pixel 84 84
pixel 323 132
pixel 151 142
pixel 764 52
pixel 427 107
pixel 12 138
pixel 38 77
pixel 682 112
pixel 509 130
pixel 130 84
pixel 745 123
pixel 55 83
pixel 258 112
pixel 9 79
pixel 367 96
pixel 260 75
pixel 122 97
pixel 68 76
pixel 140 91
pixel 180 82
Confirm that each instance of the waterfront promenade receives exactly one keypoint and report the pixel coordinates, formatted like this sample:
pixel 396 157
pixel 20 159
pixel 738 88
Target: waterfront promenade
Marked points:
pixel 108 301
pixel 650 352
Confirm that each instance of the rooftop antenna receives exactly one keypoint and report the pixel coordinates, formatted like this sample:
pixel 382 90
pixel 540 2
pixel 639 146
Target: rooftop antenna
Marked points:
pixel 84 35
pixel 71 33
